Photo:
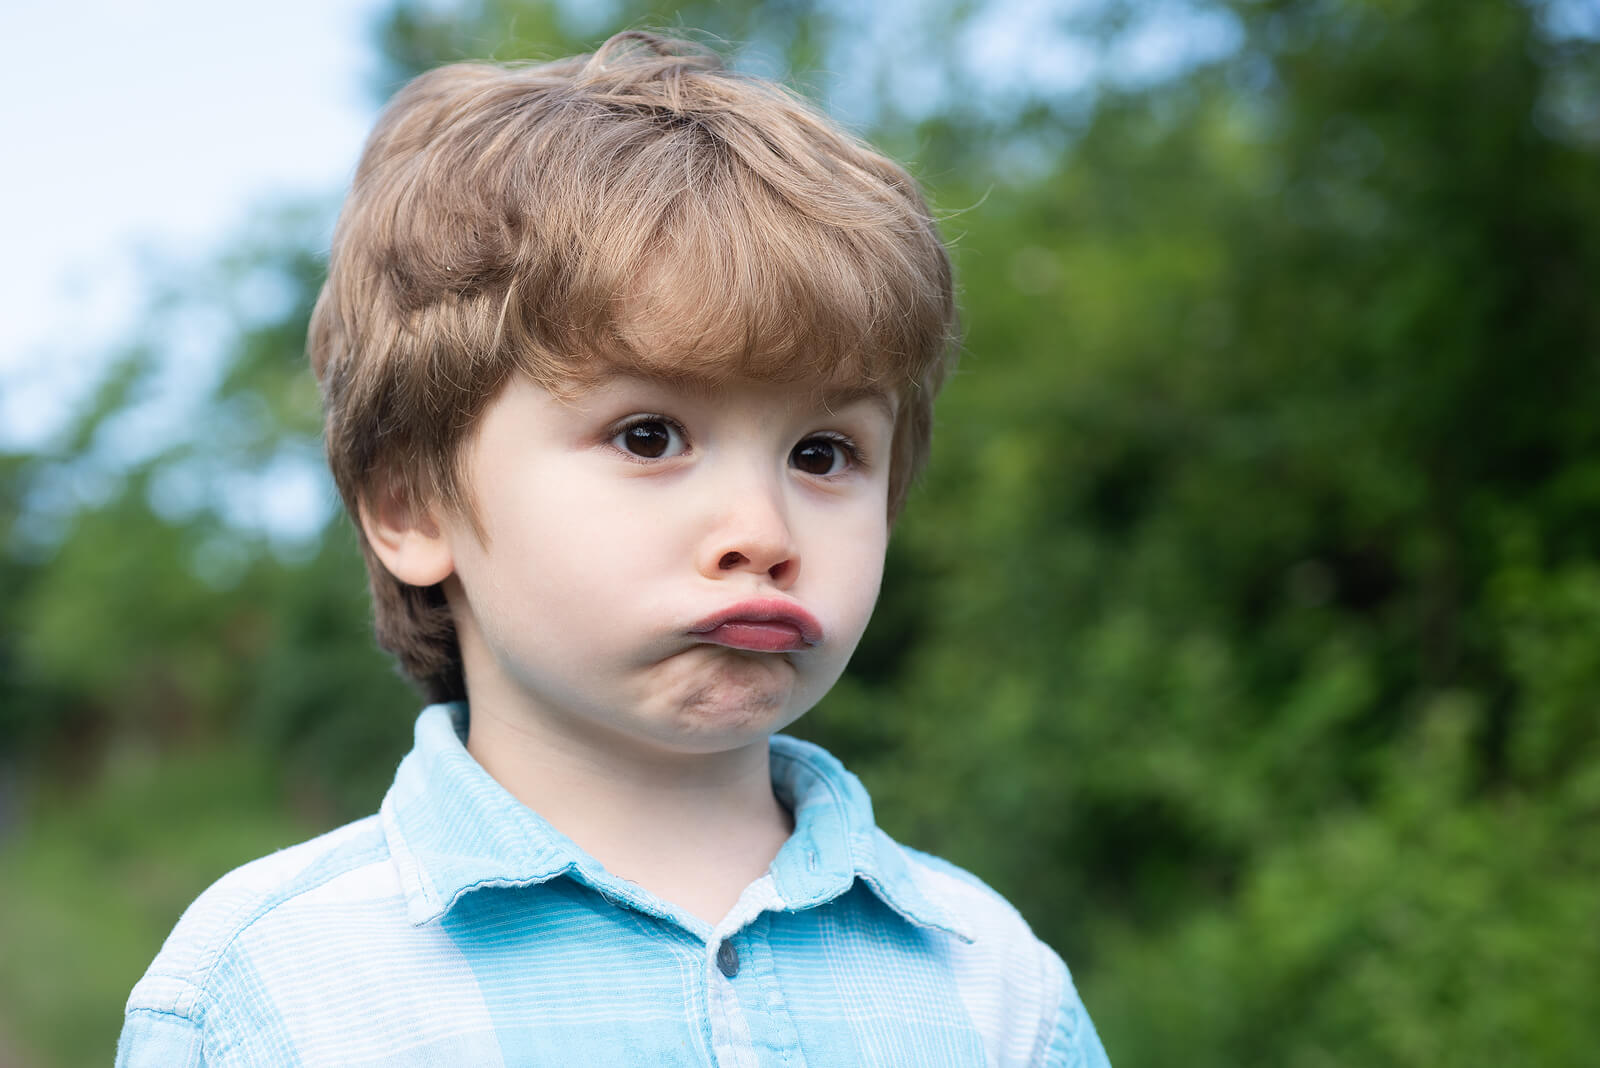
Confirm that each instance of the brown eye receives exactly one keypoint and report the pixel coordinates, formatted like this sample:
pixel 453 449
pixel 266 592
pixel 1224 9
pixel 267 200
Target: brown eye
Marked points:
pixel 819 456
pixel 649 439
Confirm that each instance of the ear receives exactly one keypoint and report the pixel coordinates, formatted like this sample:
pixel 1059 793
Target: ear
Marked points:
pixel 410 541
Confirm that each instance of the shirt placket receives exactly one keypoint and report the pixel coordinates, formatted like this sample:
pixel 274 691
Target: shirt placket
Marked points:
pixel 750 1022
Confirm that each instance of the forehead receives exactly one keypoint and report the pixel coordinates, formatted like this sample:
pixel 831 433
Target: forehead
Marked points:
pixel 825 395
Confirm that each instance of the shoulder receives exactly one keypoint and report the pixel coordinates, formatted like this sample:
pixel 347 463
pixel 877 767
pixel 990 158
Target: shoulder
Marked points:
pixel 1017 989
pixel 1014 988
pixel 255 900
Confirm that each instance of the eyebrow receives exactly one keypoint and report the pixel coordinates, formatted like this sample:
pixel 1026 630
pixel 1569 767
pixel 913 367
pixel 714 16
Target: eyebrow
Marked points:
pixel 838 397
pixel 885 401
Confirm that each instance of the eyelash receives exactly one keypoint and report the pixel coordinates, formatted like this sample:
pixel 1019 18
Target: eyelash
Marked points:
pixel 645 419
pixel 855 458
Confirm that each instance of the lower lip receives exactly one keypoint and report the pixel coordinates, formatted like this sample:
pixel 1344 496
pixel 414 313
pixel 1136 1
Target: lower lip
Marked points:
pixel 760 637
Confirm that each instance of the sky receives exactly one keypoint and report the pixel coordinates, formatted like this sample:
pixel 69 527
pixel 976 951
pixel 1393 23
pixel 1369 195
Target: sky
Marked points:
pixel 153 126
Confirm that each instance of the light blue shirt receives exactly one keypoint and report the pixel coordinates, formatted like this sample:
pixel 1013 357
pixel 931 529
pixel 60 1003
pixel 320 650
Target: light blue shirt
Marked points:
pixel 457 927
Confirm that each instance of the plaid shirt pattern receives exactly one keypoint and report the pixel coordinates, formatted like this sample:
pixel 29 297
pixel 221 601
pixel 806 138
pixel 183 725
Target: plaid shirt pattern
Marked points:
pixel 457 927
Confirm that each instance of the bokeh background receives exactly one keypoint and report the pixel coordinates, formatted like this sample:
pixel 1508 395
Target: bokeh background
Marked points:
pixel 1245 632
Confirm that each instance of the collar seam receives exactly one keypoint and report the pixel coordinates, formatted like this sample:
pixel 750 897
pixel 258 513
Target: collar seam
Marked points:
pixel 873 875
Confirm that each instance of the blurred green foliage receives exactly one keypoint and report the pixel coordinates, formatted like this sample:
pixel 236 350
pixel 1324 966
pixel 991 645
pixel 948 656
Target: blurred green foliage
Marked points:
pixel 92 885
pixel 1245 633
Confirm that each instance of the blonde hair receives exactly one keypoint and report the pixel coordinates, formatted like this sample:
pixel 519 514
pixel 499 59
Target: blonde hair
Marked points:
pixel 640 208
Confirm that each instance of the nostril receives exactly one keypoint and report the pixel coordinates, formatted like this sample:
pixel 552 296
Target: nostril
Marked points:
pixel 731 560
pixel 778 570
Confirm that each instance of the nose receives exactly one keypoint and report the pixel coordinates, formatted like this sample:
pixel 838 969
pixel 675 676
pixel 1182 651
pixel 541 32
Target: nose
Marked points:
pixel 752 535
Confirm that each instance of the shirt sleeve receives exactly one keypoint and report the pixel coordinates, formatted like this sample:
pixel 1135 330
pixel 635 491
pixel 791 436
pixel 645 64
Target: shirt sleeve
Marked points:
pixel 1074 1043
pixel 152 1039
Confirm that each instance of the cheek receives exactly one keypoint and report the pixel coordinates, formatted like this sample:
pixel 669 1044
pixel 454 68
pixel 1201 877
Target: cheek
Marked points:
pixel 569 556
pixel 856 567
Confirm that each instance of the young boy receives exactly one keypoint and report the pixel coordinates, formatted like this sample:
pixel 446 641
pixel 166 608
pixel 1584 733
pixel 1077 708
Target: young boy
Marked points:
pixel 628 361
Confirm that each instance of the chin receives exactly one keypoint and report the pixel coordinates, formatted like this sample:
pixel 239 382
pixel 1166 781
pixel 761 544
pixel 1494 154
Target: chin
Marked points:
pixel 735 709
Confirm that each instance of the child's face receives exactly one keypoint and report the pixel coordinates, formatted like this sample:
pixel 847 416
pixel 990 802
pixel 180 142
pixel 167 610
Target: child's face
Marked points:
pixel 663 565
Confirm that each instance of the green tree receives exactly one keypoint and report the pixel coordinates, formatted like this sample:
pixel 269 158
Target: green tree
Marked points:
pixel 1259 550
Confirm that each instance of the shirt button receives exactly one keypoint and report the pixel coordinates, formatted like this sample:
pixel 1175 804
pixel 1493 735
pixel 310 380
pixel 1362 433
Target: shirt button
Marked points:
pixel 728 959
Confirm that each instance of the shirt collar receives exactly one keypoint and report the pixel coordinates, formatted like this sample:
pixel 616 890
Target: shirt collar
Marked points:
pixel 836 841
pixel 452 829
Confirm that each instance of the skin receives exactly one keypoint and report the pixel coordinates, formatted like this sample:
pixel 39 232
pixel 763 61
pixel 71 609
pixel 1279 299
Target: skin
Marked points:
pixel 610 524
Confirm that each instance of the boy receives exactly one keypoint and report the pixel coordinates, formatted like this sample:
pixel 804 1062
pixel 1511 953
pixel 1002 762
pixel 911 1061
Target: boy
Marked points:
pixel 627 362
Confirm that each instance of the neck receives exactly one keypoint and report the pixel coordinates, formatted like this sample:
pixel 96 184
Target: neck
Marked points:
pixel 692 828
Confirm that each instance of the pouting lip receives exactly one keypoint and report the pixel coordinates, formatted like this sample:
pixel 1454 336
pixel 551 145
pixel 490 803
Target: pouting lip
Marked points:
pixel 769 610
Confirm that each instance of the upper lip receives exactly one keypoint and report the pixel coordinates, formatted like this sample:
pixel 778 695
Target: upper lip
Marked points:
pixel 766 610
